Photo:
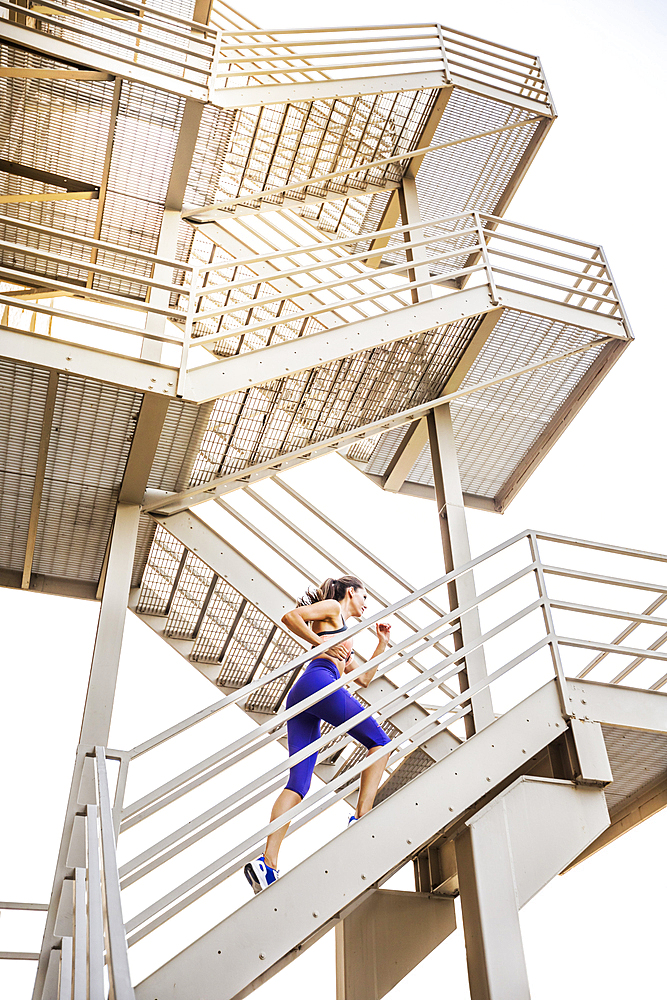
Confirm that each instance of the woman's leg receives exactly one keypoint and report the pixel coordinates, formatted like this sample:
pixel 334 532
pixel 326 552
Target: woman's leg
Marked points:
pixel 339 707
pixel 285 801
pixel 370 781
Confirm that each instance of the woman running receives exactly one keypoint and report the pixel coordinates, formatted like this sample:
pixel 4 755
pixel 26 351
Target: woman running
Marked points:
pixel 321 614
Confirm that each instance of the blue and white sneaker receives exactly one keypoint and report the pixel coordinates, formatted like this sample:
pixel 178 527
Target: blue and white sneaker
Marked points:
pixel 259 874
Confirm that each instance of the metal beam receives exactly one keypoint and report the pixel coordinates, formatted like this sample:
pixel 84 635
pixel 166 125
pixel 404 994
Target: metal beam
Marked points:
pixel 142 450
pixel 42 455
pixel 16 199
pixel 45 177
pixel 221 484
pixel 405 456
pixel 31 73
pixel 456 550
pixel 292 356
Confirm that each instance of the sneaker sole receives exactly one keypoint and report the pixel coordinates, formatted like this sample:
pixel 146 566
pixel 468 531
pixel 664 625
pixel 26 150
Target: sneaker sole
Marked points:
pixel 250 875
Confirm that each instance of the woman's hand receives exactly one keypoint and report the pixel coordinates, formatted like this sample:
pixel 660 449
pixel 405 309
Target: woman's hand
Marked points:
pixel 383 633
pixel 339 652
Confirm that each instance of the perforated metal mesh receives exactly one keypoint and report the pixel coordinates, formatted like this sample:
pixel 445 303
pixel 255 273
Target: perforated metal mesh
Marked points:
pixel 276 145
pixel 22 399
pixel 188 599
pixel 637 759
pixel 495 427
pixel 412 766
pixel 90 440
pixel 216 629
pixel 160 573
pixel 286 414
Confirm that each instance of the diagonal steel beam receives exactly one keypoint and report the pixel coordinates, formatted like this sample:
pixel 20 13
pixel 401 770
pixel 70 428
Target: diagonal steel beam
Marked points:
pixel 42 455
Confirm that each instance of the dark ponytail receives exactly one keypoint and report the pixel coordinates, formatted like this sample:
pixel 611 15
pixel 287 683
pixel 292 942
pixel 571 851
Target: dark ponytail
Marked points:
pixel 330 590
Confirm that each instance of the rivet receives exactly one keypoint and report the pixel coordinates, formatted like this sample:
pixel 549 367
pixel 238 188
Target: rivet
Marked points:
pixel 363 877
pixel 408 841
pixel 316 913
pixel 262 955
pixel 451 809
pixel 489 779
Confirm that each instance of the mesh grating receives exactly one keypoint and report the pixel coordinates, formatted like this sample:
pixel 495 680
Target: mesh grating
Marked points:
pixel 637 759
pixel 245 647
pixel 22 399
pixel 414 764
pixel 268 698
pixel 216 628
pixel 90 440
pixel 494 428
pixel 286 414
pixel 188 599
pixel 160 573
pixel 275 145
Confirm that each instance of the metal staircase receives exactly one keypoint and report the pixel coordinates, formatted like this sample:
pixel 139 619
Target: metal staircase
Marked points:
pixel 227 251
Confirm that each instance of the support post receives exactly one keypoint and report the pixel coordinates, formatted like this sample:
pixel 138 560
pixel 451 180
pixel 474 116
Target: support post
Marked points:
pixel 106 654
pixel 456 548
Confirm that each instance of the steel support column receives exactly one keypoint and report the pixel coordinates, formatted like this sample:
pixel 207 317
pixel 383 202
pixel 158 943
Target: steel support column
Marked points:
pixel 456 548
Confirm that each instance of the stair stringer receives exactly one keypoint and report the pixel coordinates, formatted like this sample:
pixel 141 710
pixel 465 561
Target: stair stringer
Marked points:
pixel 274 927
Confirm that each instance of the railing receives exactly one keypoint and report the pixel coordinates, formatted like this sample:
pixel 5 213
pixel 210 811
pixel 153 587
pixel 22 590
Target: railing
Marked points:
pixel 175 48
pixel 97 938
pixel 524 618
pixel 328 283
pixel 260 58
pixel 21 956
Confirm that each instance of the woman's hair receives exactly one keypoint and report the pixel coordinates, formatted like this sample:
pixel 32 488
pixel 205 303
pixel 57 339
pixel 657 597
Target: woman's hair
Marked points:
pixel 330 590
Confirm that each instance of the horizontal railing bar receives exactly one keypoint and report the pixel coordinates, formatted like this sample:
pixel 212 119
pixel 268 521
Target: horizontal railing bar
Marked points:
pixel 153 12
pixel 117 43
pixel 612 313
pixel 42 907
pixel 498 234
pixel 343 779
pixel 326 265
pixel 19 956
pixel 153 18
pixel 149 860
pixel 314 248
pixel 622 550
pixel 308 313
pixel 649 654
pixel 272 33
pixel 233 752
pixel 80 265
pixel 638 660
pixel 81 291
pixel 497 76
pixel 97 244
pixel 288 54
pixel 628 630
pixel 205 713
pixel 552 284
pixel 337 283
pixel 196 894
pixel 134 36
pixel 436 57
pixel 240 749
pixel 538 232
pixel 638 619
pixel 532 65
pixel 616 581
pixel 485 41
pixel 524 82
pixel 91 321
pixel 312 67
pixel 550 266
pixel 347 171
pixel 404 619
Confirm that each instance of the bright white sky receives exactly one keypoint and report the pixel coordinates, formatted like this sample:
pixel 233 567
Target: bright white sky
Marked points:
pixel 599 931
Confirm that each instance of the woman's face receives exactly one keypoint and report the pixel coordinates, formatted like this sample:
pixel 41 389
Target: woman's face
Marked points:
pixel 358 601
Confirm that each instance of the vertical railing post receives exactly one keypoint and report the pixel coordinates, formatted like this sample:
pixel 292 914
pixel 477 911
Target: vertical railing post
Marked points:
pixel 65 983
pixel 187 331
pixel 214 64
pixel 120 984
pixel 443 52
pixel 80 961
pixel 549 625
pixel 491 281
pixel 95 913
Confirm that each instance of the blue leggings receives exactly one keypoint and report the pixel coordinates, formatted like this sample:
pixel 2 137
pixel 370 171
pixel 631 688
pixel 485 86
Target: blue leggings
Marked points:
pixel 335 709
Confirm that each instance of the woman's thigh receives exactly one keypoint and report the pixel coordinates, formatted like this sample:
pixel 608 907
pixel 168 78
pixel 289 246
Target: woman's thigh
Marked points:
pixel 340 707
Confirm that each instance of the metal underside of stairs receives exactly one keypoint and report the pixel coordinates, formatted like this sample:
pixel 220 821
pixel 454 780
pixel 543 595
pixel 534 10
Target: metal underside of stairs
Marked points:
pixel 225 252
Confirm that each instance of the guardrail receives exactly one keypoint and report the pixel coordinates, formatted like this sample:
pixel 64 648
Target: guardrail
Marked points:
pixel 181 50
pixel 524 641
pixel 175 48
pixel 323 285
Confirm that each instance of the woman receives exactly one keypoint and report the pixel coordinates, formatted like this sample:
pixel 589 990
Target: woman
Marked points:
pixel 321 614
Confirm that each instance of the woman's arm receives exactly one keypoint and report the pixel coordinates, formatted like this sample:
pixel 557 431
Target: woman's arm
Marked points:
pixel 383 634
pixel 322 611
